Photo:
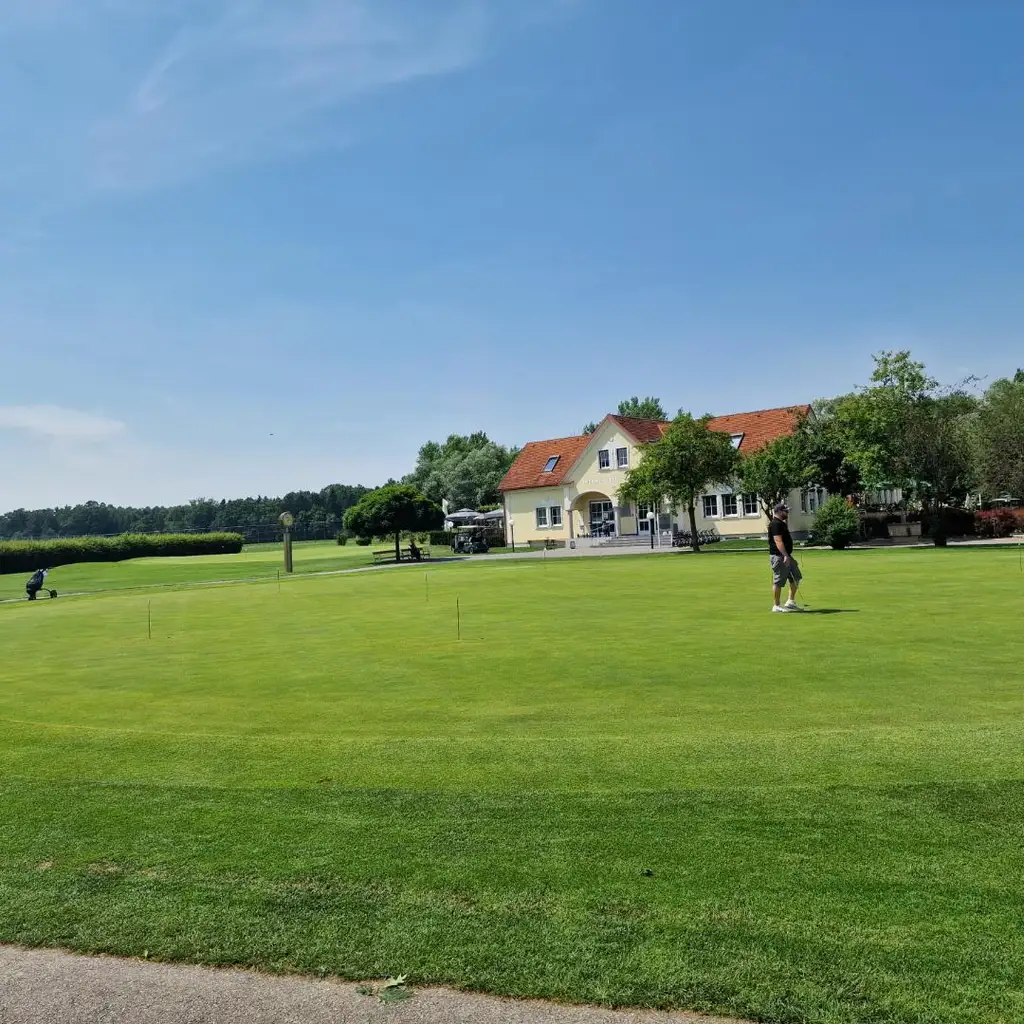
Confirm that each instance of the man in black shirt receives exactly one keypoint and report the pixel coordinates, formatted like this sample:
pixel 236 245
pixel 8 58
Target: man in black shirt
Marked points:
pixel 784 566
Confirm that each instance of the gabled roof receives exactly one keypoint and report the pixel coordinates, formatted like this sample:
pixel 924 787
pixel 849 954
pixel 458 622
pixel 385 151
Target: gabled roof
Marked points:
pixel 528 469
pixel 754 430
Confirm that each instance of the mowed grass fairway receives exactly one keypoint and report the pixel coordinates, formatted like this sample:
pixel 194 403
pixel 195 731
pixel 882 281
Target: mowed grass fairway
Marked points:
pixel 325 779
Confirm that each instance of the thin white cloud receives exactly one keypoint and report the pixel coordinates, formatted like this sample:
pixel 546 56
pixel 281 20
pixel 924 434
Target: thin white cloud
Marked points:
pixel 58 423
pixel 238 80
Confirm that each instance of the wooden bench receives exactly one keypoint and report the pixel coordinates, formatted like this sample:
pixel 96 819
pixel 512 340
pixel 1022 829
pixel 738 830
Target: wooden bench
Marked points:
pixel 388 555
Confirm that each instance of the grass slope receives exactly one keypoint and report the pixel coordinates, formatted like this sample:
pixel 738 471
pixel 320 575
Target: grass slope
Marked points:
pixel 326 780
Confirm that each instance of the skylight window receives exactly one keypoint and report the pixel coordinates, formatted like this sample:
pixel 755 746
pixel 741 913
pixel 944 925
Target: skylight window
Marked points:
pixel 549 466
pixel 737 440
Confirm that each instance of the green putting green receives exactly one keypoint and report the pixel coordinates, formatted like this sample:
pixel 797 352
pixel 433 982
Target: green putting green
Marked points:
pixel 323 777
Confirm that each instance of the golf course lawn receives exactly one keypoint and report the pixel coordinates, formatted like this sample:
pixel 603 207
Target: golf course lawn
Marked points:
pixel 324 778
pixel 254 562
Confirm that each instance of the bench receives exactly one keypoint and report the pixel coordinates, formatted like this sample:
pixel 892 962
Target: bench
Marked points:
pixel 388 555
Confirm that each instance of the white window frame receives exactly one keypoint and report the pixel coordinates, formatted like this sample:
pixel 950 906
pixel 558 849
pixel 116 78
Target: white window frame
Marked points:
pixel 555 517
pixel 621 458
pixel 755 509
pixel 713 498
pixel 736 505
pixel 604 459
pixel 552 464
pixel 541 517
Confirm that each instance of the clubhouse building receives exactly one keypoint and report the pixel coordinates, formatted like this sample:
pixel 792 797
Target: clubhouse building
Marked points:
pixel 567 488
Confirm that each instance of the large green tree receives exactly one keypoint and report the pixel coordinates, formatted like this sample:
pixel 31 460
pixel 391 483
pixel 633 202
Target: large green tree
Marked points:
pixel 649 408
pixel 465 471
pixel 687 460
pixel 393 510
pixel 999 437
pixel 904 429
pixel 775 470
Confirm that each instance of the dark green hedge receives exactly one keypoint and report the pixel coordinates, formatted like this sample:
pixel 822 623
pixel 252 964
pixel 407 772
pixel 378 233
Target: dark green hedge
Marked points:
pixel 29 555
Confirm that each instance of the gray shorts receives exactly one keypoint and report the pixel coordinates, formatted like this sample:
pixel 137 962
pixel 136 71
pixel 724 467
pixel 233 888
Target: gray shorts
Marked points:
pixel 782 573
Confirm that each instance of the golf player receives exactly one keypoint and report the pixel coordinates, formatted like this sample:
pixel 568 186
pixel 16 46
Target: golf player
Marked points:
pixel 784 566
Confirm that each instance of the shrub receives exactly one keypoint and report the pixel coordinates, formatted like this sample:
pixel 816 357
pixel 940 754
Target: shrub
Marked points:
pixel 837 523
pixel 951 522
pixel 342 538
pixel 364 542
pixel 29 555
pixel 997 522
pixel 440 538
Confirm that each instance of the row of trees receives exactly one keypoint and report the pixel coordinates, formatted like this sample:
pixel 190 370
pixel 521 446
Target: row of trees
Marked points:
pixel 317 513
pixel 937 443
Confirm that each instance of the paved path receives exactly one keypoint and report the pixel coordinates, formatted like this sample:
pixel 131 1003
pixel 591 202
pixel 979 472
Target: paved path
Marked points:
pixel 52 987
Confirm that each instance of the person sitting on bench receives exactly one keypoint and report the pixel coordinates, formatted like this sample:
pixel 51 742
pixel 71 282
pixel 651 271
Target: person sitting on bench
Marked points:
pixel 414 552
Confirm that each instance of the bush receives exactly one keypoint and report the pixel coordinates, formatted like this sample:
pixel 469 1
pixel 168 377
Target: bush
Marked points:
pixel 998 522
pixel 364 542
pixel 837 523
pixel 29 555
pixel 951 522
pixel 440 538
pixel 342 538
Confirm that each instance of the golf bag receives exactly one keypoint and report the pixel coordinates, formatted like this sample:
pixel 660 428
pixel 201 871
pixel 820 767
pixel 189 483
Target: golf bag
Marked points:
pixel 35 584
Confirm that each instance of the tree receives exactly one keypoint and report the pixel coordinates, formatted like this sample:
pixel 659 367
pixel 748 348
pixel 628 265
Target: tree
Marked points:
pixel 642 408
pixel 465 471
pixel 775 470
pixel 393 509
pixel 998 437
pixel 825 445
pixel 906 430
pixel 681 466
pixel 588 428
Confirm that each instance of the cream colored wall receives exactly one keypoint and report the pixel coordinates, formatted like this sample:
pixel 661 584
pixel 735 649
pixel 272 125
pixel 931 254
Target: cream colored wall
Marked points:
pixel 521 508
pixel 587 476
pixel 747 526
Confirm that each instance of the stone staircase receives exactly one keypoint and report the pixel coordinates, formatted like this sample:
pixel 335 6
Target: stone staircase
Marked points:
pixel 641 541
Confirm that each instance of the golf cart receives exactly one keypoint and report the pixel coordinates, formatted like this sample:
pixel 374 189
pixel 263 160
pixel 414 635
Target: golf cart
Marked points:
pixel 35 584
pixel 469 540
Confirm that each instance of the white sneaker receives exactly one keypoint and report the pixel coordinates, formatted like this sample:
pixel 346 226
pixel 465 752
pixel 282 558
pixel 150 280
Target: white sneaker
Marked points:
pixel 792 606
pixel 779 608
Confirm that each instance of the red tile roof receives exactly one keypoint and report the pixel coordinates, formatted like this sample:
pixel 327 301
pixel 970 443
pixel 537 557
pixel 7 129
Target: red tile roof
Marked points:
pixel 758 429
pixel 528 469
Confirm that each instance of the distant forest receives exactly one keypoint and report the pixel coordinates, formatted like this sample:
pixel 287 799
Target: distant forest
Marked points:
pixel 318 515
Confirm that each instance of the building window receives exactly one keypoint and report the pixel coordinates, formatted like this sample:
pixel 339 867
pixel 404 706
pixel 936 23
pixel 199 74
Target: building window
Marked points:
pixel 812 498
pixel 710 506
pixel 750 507
pixel 604 459
pixel 730 506
pixel 737 440
pixel 556 515
pixel 549 466
pixel 622 457
pixel 542 518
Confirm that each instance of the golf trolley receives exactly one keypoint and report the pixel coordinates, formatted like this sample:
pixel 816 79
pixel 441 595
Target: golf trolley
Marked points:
pixel 35 585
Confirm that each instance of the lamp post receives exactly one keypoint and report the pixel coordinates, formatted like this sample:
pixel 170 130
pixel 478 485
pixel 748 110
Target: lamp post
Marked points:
pixel 650 527
pixel 512 534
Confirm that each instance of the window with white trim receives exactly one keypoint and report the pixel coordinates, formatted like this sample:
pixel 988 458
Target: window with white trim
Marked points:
pixel 710 506
pixel 556 516
pixel 750 505
pixel 549 466
pixel 730 507
pixel 604 459
pixel 621 457
pixel 812 498
pixel 542 517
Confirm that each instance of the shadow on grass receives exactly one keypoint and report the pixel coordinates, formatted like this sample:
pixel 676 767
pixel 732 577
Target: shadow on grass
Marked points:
pixel 830 611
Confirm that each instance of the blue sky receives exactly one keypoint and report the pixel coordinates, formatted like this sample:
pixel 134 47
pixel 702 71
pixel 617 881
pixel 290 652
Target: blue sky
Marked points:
pixel 250 245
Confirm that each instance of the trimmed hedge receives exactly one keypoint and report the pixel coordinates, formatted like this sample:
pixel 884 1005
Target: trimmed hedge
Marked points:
pixel 29 555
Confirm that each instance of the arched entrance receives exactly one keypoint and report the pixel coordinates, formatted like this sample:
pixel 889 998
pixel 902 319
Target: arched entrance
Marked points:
pixel 594 514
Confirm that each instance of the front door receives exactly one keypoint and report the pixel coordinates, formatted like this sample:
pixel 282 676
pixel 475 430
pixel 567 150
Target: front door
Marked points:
pixel 602 518
pixel 641 517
